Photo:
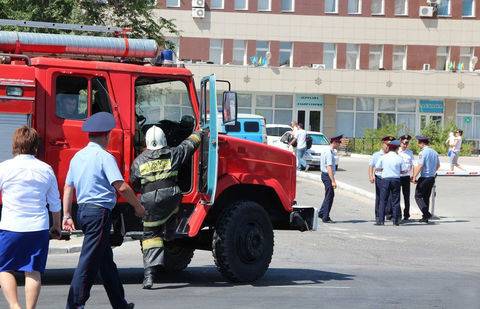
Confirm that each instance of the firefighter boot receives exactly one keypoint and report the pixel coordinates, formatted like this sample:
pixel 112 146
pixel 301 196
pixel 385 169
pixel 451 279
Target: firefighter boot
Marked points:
pixel 148 278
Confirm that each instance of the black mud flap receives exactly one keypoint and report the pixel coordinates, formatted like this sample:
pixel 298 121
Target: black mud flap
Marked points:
pixel 304 218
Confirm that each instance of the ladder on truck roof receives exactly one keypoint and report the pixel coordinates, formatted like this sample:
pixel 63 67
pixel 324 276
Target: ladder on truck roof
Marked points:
pixel 60 26
pixel 15 42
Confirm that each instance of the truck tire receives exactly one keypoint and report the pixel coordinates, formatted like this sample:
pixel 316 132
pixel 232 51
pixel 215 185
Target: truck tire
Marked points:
pixel 243 242
pixel 176 258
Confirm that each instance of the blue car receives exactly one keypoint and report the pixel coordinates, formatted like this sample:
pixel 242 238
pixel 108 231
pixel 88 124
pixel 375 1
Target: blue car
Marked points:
pixel 248 126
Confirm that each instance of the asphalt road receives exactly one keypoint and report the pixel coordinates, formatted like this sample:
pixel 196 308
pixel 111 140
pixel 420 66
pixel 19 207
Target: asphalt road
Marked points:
pixel 350 264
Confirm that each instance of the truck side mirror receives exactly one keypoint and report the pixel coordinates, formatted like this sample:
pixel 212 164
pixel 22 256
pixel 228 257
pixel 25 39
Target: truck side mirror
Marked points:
pixel 229 107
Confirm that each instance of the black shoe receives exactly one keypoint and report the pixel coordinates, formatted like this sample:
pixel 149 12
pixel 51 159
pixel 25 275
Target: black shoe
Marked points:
pixel 396 223
pixel 406 218
pixel 389 217
pixel 130 305
pixel 328 220
pixel 428 216
pixel 379 223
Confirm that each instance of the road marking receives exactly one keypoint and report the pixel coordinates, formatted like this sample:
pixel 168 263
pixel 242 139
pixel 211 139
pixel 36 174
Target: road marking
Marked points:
pixel 313 286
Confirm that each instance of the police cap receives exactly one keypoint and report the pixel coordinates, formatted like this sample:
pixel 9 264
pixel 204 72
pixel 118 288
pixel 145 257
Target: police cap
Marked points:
pixel 337 139
pixel 405 137
pixel 388 138
pixel 99 122
pixel 422 139
pixel 394 143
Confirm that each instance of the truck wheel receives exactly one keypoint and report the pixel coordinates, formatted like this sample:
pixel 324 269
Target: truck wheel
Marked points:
pixel 176 258
pixel 243 242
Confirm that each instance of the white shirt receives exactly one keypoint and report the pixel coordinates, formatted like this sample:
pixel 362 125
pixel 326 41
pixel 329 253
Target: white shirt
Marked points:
pixel 408 161
pixel 458 144
pixel 301 136
pixel 27 185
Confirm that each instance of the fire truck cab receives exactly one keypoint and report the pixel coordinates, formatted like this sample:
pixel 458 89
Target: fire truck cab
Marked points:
pixel 236 192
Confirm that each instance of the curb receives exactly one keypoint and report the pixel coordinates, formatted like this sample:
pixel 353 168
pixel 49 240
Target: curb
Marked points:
pixel 340 185
pixel 72 249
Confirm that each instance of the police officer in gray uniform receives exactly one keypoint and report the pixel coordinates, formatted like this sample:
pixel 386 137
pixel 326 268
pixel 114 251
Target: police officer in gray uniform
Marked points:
pixel 427 167
pixel 95 176
pixel 375 175
pixel 391 165
pixel 327 166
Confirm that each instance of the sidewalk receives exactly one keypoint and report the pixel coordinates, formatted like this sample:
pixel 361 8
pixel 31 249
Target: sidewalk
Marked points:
pixel 66 246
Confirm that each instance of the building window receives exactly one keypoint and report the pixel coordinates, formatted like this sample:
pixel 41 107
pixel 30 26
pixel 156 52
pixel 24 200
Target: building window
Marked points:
pixel 443 58
pixel 264 107
pixel 401 7
pixel 399 57
pixel 468 8
pixel 331 6
pixel 239 52
pixel 355 115
pixel 288 5
pixel 375 57
pixel 353 57
pixel 378 7
pixel 216 51
pixel 330 56
pixel 283 109
pixel 241 4
pixel 443 8
pixel 285 54
pixel 264 5
pixel 466 56
pixel 244 103
pixel 262 49
pixel 354 6
pixel 216 4
pixel 173 3
pixel 468 119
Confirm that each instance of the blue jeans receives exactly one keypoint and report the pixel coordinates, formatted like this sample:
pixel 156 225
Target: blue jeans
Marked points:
pixel 96 257
pixel 301 163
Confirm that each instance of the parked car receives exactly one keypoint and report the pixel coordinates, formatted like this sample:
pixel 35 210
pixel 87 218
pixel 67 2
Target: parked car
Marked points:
pixel 248 126
pixel 320 143
pixel 275 132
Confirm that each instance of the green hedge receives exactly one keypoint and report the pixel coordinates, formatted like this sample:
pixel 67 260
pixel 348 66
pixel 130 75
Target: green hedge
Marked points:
pixel 438 135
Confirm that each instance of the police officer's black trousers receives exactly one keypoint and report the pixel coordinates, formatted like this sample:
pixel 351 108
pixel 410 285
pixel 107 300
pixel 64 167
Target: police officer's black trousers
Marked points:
pixel 96 257
pixel 390 194
pixel 378 186
pixel 329 195
pixel 422 194
pixel 405 183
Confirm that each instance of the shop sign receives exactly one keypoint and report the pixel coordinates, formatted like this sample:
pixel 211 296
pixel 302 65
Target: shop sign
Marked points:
pixel 309 101
pixel 431 106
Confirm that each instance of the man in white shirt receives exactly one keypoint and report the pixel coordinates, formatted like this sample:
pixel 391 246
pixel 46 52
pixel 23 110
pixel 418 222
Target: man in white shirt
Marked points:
pixel 405 176
pixel 300 138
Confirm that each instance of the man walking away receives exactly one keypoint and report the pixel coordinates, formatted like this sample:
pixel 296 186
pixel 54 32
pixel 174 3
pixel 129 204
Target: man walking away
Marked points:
pixel 428 165
pixel 405 177
pixel 95 176
pixel 375 175
pixel 300 139
pixel 154 173
pixel 391 165
pixel 327 166
pixel 456 147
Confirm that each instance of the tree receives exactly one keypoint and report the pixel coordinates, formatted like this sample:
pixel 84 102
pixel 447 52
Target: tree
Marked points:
pixel 137 15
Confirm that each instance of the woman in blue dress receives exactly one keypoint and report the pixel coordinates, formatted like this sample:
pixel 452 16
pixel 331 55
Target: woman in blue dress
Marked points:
pixel 27 186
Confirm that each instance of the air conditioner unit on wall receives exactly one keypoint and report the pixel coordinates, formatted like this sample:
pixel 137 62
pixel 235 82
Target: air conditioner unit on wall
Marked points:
pixel 426 66
pixel 318 66
pixel 198 3
pixel 198 13
pixel 426 11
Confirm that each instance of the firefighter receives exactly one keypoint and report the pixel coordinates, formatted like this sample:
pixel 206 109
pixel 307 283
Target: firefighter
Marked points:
pixel 154 173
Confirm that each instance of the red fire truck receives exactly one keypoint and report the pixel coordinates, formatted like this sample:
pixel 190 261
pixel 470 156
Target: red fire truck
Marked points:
pixel 236 192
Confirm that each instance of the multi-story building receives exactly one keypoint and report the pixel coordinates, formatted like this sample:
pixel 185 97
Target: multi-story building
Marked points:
pixel 340 66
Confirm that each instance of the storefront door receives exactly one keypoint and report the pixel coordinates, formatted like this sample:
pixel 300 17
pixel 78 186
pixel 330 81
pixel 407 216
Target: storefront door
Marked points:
pixel 312 120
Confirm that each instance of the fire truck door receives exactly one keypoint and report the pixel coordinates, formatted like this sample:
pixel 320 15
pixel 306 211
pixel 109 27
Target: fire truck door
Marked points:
pixel 73 99
pixel 209 168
